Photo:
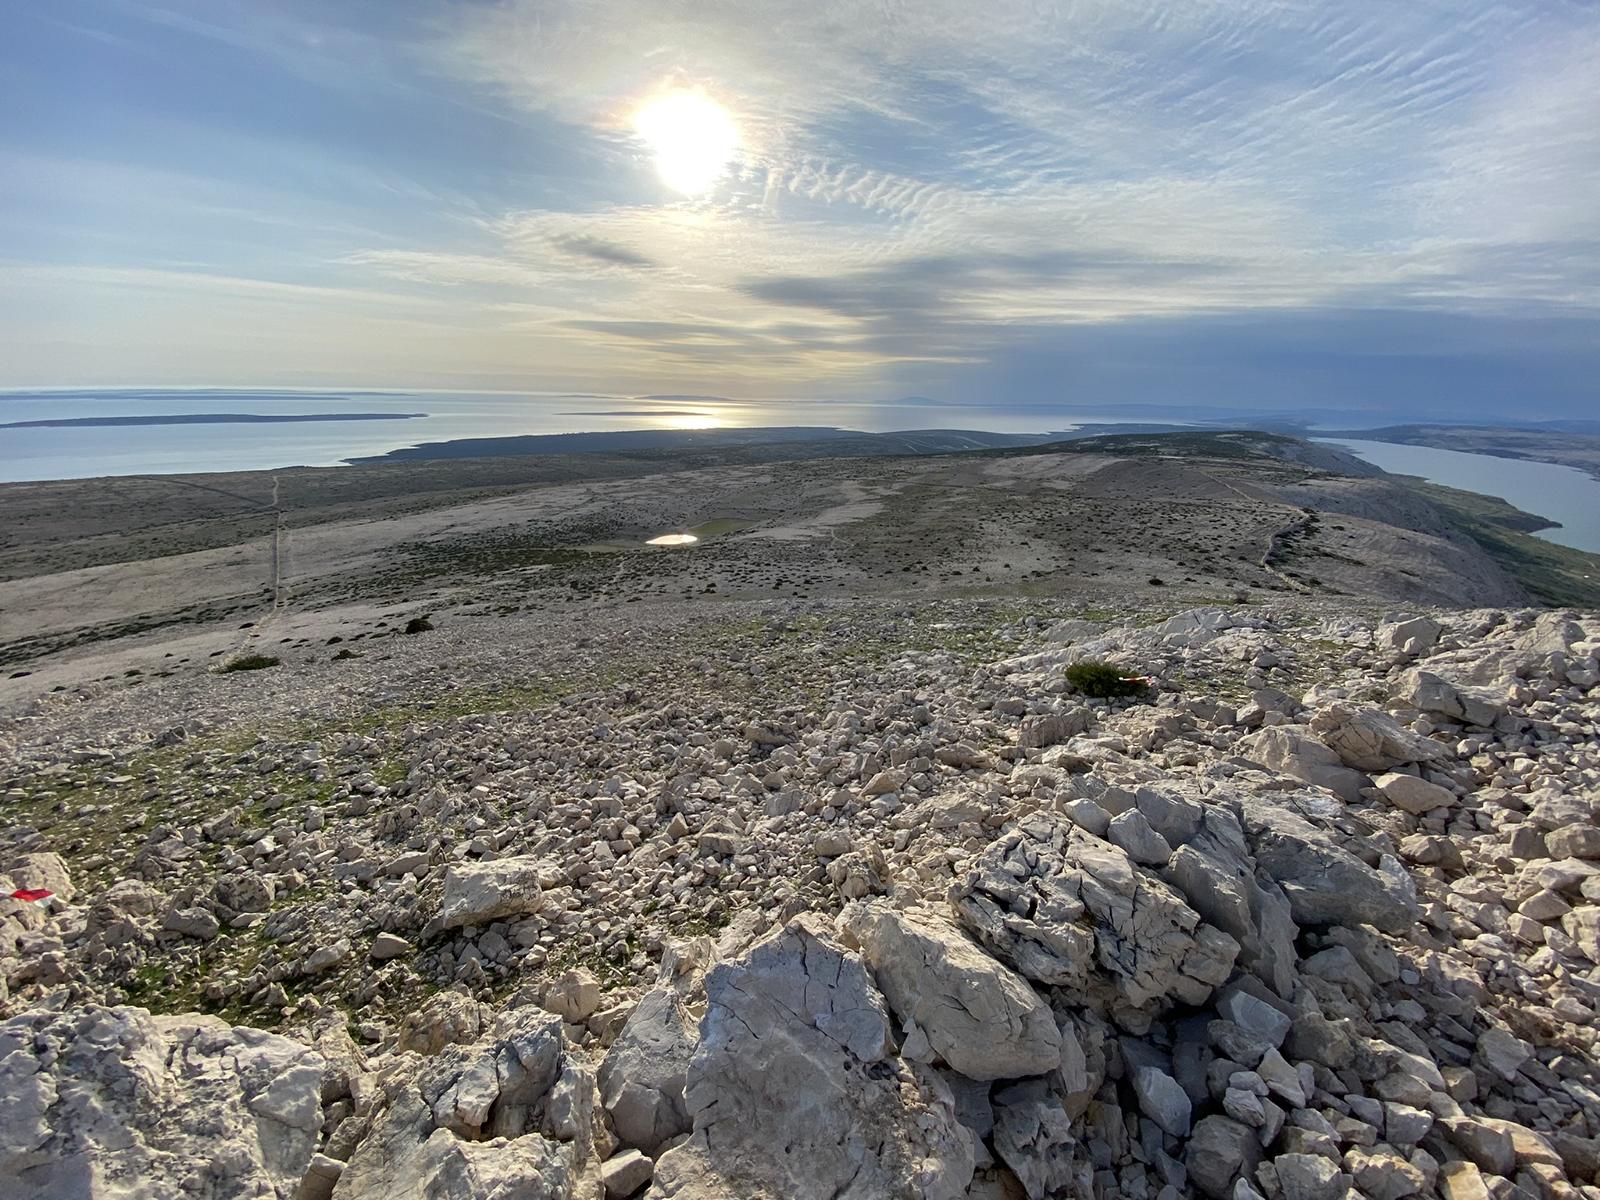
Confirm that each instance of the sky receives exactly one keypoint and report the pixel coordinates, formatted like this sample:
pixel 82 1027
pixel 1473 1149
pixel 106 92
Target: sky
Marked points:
pixel 1273 203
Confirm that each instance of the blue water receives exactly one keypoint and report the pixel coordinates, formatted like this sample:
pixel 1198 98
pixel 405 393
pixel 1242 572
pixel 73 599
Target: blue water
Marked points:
pixel 1557 493
pixel 86 451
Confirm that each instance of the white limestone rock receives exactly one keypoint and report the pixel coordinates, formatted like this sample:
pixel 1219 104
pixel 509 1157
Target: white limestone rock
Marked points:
pixel 512 1115
pixel 794 1093
pixel 981 1018
pixel 477 893
pixel 105 1103
pixel 1067 909
pixel 643 1075
pixel 1291 750
pixel 1369 739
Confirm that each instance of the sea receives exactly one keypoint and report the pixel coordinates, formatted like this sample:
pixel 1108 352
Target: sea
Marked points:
pixel 80 451
pixel 1555 492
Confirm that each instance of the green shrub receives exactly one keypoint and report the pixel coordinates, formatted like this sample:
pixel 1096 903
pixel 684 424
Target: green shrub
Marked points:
pixel 248 662
pixel 1103 679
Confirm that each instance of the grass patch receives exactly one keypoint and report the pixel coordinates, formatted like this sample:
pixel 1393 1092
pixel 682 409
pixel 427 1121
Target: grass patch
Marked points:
pixel 248 662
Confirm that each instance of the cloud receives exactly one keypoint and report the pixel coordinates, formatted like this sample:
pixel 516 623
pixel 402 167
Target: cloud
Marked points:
pixel 600 250
pixel 935 195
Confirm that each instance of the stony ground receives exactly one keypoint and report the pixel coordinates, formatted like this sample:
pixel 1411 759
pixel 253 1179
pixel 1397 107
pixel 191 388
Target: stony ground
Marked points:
pixel 150 578
pixel 420 831
pixel 828 898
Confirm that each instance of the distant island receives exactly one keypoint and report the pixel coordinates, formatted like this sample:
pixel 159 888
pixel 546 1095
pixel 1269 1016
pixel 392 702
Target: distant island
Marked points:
pixel 208 419
pixel 746 443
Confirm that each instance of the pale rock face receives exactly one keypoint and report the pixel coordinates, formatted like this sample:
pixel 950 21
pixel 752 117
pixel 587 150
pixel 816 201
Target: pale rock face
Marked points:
pixel 1412 637
pixel 794 1093
pixel 1132 833
pixel 388 945
pixel 1034 1136
pixel 942 812
pixel 643 1076
pixel 1291 750
pixel 1215 871
pixel 1432 693
pixel 476 893
pixel 244 892
pixel 210 1111
pixel 1162 1100
pixel 1325 883
pixel 191 922
pixel 884 782
pixel 1310 1177
pixel 1255 1016
pixel 444 1019
pixel 41 870
pixel 1221 1148
pixel 1049 729
pixel 1412 794
pixel 1369 739
pixel 982 1019
pixel 509 1116
pixel 1503 1052
pixel 625 1174
pixel 1574 841
pixel 574 996
pixel 1055 903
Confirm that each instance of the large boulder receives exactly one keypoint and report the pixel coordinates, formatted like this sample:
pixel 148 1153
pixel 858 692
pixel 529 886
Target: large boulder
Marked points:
pixel 1220 1151
pixel 1412 794
pixel 1369 739
pixel 981 1018
pixel 1431 693
pixel 477 893
pixel 509 1116
pixel 1325 884
pixel 1217 875
pixel 113 1102
pixel 1049 729
pixel 1034 1136
pixel 644 1073
pixel 1412 636
pixel 44 870
pixel 1055 902
pixel 795 1093
pixel 1291 750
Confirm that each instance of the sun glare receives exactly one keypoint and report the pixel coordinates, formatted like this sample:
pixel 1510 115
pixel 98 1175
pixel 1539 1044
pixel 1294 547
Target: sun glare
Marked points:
pixel 692 136
pixel 690 420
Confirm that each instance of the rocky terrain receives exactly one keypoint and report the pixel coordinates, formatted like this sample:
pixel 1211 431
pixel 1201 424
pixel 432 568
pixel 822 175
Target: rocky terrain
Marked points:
pixel 149 578
pixel 825 899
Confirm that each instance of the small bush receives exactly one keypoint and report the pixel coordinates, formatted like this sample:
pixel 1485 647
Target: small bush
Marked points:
pixel 249 662
pixel 1103 680
pixel 418 624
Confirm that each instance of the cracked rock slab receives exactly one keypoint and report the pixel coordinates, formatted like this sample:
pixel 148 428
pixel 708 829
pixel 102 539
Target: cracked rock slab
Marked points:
pixel 1067 909
pixel 981 1018
pixel 99 1102
pixel 794 1093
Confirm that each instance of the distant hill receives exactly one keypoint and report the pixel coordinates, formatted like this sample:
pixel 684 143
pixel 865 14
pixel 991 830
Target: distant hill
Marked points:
pixel 797 441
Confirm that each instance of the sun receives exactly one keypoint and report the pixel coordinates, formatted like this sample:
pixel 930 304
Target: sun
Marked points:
pixel 692 136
